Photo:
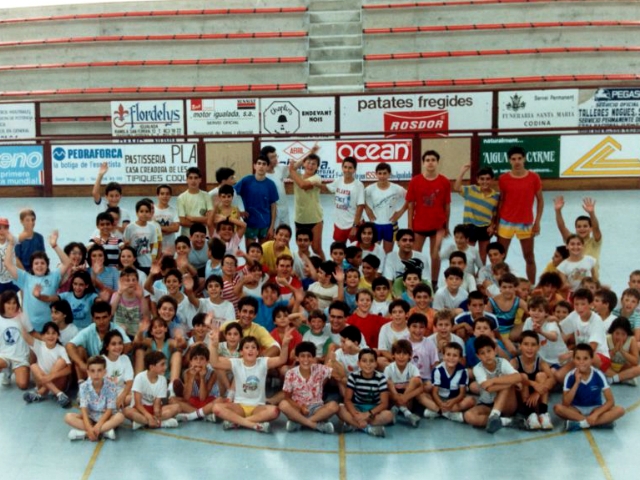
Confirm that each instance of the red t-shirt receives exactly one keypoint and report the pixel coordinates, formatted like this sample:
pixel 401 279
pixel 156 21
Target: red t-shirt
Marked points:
pixel 430 198
pixel 369 326
pixel 517 195
pixel 295 340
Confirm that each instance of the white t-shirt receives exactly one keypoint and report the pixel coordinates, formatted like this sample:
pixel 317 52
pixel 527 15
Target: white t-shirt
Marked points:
pixel 549 351
pixel 444 299
pixel 348 361
pixel 280 172
pixel 394 267
pixel 125 216
pixel 481 374
pixel 120 371
pixel 398 378
pixel 384 203
pixel 347 198
pixel 380 308
pixel 250 381
pixel 149 391
pixel 586 332
pixel 47 357
pixel 12 345
pixel 221 312
pixel 141 238
pixel 318 340
pixel 576 271
pixel 165 217
pixel 388 336
pixel 325 295
pixel 68 333
pixel 474 262
pixel 433 338
pixel 378 251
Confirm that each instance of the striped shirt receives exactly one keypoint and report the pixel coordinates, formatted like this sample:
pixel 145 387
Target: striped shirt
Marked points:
pixel 366 391
pixel 478 206
pixel 449 385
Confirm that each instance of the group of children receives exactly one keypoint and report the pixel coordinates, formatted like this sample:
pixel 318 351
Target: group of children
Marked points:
pixel 205 311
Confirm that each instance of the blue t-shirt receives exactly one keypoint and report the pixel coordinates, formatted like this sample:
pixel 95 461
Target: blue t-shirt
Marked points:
pixel 27 247
pixel 91 341
pixel 109 277
pixel 81 308
pixel 257 197
pixel 37 310
pixel 466 318
pixel 470 351
pixel 589 393
pixel 449 386
pixel 264 317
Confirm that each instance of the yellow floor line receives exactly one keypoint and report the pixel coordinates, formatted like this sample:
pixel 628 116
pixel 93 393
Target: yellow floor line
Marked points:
pixel 633 406
pixel 92 460
pixel 598 454
pixel 238 445
pixel 343 457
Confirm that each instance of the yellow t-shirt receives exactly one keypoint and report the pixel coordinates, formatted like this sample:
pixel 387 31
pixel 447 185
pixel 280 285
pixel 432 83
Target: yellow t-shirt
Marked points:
pixel 269 254
pixel 307 202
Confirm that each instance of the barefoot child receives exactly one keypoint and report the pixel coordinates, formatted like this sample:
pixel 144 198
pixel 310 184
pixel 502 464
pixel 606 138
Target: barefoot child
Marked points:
pixel 97 398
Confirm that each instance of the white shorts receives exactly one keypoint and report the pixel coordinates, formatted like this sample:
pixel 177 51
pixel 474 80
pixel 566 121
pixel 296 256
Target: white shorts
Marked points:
pixel 586 411
pixel 15 363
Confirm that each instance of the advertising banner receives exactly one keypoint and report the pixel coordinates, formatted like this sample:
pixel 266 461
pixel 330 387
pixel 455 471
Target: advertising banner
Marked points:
pixel 147 118
pixel 17 120
pixel 592 156
pixel 21 166
pixel 609 106
pixel 128 164
pixel 368 153
pixel 421 113
pixel 298 115
pixel 538 108
pixel 223 116
pixel 543 154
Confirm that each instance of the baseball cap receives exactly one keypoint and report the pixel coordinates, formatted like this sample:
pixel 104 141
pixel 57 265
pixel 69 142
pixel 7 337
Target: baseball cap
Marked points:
pixel 4 222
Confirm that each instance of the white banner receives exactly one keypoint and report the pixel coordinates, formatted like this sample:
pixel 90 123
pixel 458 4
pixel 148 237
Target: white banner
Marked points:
pixel 368 153
pixel 609 106
pixel 298 115
pixel 421 113
pixel 128 164
pixel 147 118
pixel 17 120
pixel 538 108
pixel 223 116
pixel 589 156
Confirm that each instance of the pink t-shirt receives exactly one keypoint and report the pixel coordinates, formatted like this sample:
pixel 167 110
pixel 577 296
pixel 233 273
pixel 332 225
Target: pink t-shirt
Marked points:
pixel 430 198
pixel 517 196
pixel 306 391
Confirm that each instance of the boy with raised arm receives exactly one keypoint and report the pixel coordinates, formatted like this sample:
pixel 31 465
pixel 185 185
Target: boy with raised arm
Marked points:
pixel 112 197
pixel 587 226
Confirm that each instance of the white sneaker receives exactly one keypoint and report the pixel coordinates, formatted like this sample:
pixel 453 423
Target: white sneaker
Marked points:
pixel 75 434
pixel 210 418
pixel 110 434
pixel 454 416
pixel 430 414
pixel 182 417
pixel 264 427
pixel 136 425
pixel 292 426
pixel 632 381
pixel 169 423
pixel 545 422
pixel 414 420
pixel 325 427
pixel 6 374
pixel 533 423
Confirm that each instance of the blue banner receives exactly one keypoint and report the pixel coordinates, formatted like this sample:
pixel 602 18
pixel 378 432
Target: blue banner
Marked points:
pixel 21 166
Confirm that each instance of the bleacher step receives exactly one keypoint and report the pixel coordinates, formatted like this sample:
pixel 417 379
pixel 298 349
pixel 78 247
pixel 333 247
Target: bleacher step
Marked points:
pixel 335 41
pixel 335 53
pixel 332 67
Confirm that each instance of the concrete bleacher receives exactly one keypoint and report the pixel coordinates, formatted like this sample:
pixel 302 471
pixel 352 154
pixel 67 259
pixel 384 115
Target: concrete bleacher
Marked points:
pixel 31 62
pixel 448 65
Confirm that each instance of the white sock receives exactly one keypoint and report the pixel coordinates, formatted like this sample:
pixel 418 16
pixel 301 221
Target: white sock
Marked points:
pixel 59 393
pixel 405 411
pixel 616 378
pixel 495 412
pixel 195 415
pixel 584 423
pixel 506 421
